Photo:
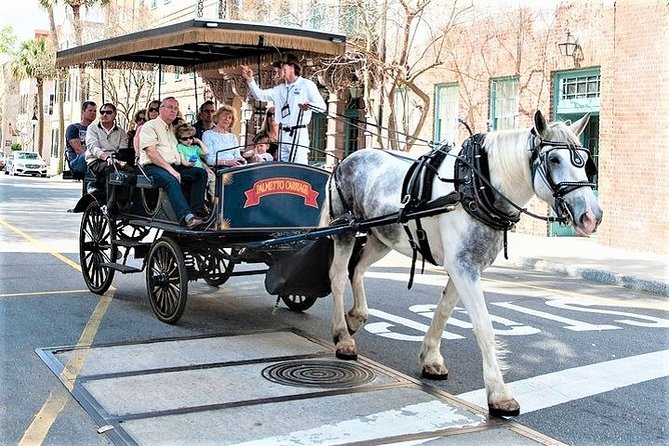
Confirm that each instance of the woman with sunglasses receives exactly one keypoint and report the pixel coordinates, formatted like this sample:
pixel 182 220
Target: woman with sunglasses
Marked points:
pixel 137 121
pixel 152 111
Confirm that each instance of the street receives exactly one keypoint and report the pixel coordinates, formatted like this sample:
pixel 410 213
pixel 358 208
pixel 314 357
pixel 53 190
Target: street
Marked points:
pixel 607 346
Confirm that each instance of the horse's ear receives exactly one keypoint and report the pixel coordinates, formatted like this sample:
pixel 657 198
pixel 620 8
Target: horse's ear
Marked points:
pixel 578 126
pixel 540 124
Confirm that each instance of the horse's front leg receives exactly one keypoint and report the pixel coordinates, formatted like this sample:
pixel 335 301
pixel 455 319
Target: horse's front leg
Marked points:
pixel 430 353
pixel 500 399
pixel 344 343
pixel 373 251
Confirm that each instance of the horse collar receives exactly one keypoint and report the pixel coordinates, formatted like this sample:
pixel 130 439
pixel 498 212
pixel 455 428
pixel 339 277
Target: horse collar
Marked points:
pixel 472 179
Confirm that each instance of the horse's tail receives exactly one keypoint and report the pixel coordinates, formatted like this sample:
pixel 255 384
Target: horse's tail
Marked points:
pixel 325 211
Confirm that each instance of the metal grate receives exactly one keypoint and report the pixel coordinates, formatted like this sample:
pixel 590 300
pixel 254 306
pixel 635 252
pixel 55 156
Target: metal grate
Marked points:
pixel 322 374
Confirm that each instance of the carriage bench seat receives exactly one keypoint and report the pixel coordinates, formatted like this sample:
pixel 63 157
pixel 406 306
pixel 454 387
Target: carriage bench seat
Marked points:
pixel 124 178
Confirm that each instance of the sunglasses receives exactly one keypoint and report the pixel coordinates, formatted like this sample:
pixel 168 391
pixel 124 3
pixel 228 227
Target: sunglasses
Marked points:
pixel 106 112
pixel 153 110
pixel 186 138
pixel 270 114
pixel 141 118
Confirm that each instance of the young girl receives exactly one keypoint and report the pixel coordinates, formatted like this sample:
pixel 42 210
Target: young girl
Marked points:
pixel 192 149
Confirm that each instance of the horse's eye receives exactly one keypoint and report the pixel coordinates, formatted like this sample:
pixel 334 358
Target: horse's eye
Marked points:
pixel 554 159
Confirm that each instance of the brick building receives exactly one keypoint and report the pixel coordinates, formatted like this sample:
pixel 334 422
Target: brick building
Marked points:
pixel 509 64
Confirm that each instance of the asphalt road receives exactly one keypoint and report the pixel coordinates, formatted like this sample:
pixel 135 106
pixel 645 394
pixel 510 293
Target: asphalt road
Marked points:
pixel 603 343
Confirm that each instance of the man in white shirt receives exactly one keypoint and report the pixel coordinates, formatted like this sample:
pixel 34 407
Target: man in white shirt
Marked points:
pixel 103 139
pixel 293 101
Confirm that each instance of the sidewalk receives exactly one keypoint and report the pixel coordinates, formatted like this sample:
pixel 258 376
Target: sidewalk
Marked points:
pixel 586 258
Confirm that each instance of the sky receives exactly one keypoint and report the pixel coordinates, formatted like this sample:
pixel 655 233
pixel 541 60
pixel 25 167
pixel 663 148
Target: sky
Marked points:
pixel 25 16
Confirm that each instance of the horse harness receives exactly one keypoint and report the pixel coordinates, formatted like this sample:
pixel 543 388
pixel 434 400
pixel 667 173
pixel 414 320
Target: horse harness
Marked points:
pixel 473 189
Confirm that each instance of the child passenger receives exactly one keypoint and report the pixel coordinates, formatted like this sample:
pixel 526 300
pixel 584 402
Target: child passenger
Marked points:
pixel 258 153
pixel 192 149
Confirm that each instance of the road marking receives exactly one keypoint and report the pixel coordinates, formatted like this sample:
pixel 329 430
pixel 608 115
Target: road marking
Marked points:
pixel 42 293
pixel 541 392
pixel 55 403
pixel 43 246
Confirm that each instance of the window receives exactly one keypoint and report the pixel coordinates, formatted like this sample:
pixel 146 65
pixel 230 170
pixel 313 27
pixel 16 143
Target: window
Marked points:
pixel 579 87
pixel 54 143
pixel 52 98
pixel 154 4
pixel 161 76
pixel 503 103
pixel 446 108
pixel 177 74
pixel 317 14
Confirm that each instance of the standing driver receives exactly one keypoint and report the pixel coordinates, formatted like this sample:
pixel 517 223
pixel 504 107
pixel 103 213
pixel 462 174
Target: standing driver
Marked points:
pixel 292 99
pixel 161 160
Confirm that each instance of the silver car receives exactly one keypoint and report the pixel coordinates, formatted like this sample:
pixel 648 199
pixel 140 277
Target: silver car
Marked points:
pixel 25 163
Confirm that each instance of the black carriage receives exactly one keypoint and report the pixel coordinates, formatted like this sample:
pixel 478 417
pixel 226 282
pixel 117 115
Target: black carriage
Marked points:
pixel 130 227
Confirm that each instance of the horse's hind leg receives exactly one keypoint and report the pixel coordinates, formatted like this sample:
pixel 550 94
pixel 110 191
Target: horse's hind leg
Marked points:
pixel 500 399
pixel 432 362
pixel 344 343
pixel 373 251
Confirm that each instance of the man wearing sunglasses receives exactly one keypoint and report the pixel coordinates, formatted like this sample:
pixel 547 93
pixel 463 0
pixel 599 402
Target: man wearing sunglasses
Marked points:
pixel 104 138
pixel 205 119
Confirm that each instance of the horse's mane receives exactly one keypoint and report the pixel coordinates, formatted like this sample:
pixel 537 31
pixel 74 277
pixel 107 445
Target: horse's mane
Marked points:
pixel 509 152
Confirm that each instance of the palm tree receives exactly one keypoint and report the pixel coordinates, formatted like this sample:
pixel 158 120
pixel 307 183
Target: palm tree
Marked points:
pixel 78 36
pixel 35 61
pixel 60 79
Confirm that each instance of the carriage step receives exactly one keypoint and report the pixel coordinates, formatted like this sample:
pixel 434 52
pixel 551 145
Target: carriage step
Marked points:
pixel 130 243
pixel 125 269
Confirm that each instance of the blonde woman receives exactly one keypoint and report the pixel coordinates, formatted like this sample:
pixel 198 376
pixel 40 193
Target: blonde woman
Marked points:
pixel 223 145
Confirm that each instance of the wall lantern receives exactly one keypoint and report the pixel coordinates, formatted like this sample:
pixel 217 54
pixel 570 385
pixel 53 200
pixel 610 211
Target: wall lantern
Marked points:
pixel 568 47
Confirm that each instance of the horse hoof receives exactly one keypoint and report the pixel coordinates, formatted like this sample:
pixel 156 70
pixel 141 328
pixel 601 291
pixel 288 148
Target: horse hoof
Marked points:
pixel 508 408
pixel 346 356
pixel 435 376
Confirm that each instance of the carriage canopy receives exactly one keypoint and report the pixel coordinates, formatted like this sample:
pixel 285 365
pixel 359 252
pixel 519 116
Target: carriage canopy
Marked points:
pixel 205 44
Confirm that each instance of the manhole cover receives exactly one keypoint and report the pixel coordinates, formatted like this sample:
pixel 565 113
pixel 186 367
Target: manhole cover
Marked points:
pixel 326 374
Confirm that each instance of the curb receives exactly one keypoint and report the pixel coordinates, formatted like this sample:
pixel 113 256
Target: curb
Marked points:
pixel 653 286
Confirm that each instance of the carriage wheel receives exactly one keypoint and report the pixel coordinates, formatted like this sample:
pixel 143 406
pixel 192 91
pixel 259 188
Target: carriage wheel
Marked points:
pixel 223 267
pixel 95 248
pixel 167 280
pixel 298 303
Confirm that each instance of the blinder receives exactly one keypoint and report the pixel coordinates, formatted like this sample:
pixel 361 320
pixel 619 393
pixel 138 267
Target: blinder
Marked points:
pixel 579 156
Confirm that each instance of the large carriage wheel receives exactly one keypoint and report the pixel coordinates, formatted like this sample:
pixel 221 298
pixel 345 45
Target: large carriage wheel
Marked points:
pixel 95 248
pixel 167 280
pixel 222 267
pixel 296 302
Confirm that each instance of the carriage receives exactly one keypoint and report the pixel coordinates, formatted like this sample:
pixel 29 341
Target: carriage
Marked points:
pixel 452 208
pixel 131 228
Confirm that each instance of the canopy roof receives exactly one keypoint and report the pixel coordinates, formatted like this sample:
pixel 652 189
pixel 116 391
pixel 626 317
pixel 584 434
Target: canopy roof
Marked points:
pixel 206 44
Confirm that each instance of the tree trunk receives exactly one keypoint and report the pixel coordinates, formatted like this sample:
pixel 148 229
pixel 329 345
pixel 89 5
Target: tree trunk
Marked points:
pixel 83 80
pixel 40 117
pixel 60 84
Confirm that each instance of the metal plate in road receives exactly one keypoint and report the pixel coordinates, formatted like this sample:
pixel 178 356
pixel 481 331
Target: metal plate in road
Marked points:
pixel 270 387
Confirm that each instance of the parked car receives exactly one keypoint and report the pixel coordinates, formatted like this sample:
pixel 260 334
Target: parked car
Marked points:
pixel 2 160
pixel 25 163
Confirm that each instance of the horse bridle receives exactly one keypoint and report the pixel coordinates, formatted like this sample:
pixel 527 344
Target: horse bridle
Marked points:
pixel 540 165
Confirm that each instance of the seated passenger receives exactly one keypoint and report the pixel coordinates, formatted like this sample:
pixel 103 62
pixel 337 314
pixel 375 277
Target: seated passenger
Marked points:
pixel 192 150
pixel 223 145
pixel 258 153
pixel 270 127
pixel 104 138
pixel 161 160
pixel 152 109
pixel 138 120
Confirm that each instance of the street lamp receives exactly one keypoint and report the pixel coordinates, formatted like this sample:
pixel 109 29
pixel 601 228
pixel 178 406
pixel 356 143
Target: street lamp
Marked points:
pixel 190 116
pixel 34 122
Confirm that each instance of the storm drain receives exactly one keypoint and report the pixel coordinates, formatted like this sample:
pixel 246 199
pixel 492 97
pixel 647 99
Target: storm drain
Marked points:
pixel 321 374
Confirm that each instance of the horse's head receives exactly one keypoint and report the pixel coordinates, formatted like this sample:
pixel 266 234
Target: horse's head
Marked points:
pixel 562 171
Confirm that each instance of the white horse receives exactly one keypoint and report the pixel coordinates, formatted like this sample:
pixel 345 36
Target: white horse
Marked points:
pixel 546 161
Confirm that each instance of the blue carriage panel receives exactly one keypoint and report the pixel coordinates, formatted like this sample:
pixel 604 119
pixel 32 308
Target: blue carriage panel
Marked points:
pixel 272 195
